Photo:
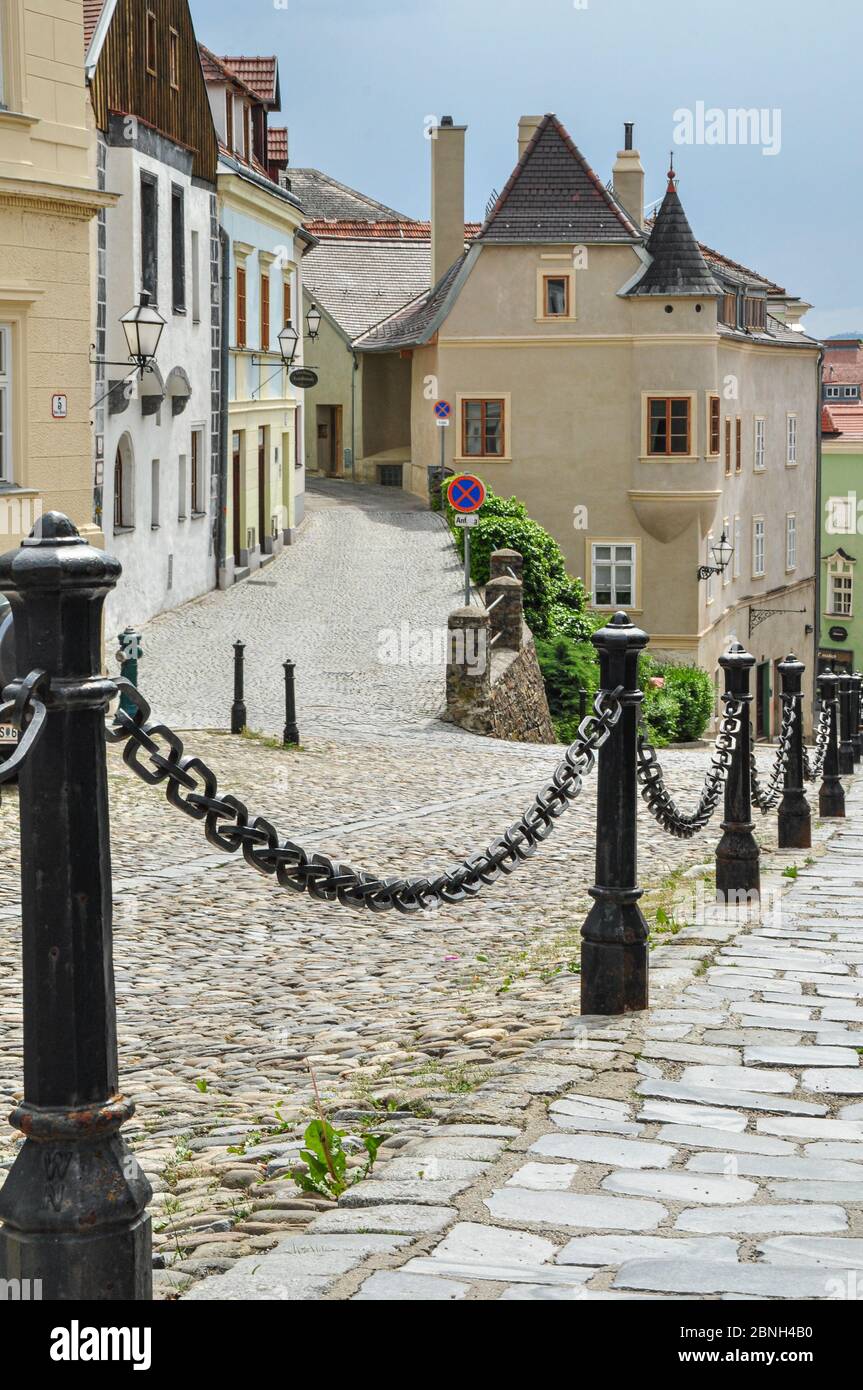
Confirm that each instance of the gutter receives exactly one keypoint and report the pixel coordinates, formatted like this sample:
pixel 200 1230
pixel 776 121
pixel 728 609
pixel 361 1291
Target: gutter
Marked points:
pixel 224 375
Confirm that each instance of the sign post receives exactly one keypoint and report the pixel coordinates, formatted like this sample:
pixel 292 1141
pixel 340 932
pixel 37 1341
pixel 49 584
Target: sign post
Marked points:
pixel 442 415
pixel 466 495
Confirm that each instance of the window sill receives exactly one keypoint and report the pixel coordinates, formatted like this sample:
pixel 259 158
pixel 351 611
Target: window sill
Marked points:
pixel 17 118
pixel 557 318
pixel 155 526
pixel 197 516
pixel 615 608
pixel 123 530
pixel 177 309
pixel 477 459
pixel 670 458
pixel 182 517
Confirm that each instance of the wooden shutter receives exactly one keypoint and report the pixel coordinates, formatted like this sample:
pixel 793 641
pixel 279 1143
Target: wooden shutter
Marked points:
pixel 265 313
pixel 241 306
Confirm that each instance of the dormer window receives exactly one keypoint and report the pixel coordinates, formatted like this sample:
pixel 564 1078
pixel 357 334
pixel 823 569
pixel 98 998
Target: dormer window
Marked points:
pixel 174 59
pixel 851 393
pixel 728 309
pixel 833 393
pixel 229 119
pixel 754 312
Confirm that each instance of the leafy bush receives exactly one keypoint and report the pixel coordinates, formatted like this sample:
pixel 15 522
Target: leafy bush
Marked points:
pixel 694 690
pixel 567 667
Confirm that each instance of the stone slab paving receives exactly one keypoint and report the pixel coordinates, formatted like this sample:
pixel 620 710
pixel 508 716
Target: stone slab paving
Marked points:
pixel 673 1175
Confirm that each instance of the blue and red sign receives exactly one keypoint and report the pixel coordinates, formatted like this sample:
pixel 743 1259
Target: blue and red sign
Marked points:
pixel 466 493
pixel 442 410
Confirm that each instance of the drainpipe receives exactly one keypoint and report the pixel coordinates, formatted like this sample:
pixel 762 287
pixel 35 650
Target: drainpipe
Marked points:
pixel 355 369
pixel 221 557
pixel 818 495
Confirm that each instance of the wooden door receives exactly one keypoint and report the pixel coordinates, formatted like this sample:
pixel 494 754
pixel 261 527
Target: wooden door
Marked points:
pixel 263 529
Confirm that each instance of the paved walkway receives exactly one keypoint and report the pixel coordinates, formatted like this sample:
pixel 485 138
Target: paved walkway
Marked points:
pixel 371 570
pixel 710 1148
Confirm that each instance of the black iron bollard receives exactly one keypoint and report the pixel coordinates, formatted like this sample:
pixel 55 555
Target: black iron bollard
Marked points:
pixel 74 1204
pixel 831 796
pixel 614 955
pixel 846 747
pixel 238 708
pixel 856 733
pixel 795 817
pixel 738 869
pixel 292 733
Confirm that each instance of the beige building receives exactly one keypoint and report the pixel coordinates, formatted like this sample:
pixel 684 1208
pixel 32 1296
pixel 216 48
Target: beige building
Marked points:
pixel 48 197
pixel 641 394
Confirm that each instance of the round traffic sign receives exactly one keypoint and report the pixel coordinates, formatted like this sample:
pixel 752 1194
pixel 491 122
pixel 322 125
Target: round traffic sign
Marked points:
pixel 466 493
pixel 442 410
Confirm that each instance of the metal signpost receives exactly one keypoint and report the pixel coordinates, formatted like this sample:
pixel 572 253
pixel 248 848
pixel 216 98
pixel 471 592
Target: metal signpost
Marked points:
pixel 466 495
pixel 443 417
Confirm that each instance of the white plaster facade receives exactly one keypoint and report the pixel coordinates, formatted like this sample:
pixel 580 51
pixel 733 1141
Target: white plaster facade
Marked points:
pixel 159 506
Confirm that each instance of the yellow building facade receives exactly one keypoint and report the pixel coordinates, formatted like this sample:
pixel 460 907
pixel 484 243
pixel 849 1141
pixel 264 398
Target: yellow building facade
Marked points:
pixel 48 197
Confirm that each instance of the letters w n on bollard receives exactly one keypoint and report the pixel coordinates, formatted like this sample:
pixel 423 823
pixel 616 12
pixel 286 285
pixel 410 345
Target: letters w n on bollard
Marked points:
pixel 614 954
pixel 73 1207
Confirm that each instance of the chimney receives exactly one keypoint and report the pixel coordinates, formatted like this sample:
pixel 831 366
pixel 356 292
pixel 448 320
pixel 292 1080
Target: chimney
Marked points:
pixel 628 178
pixel 447 196
pixel 527 128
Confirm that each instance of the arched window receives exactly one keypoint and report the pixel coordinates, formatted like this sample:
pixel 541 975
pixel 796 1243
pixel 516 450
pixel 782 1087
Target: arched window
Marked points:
pixel 123 486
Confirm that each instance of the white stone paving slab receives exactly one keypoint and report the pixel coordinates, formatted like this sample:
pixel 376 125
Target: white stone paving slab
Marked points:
pixel 681 1187
pixel 840 1082
pixel 763 1219
pixel 760 1166
pixel 697 1277
pixel 544 1177
pixel 716 1096
pixel 843 1252
pixel 393 1285
pixel 744 1078
pixel 613 1250
pixel 702 1137
pixel 682 1114
pixel 800 1056
pixel 613 1152
pixel 801 1127
pixel 583 1210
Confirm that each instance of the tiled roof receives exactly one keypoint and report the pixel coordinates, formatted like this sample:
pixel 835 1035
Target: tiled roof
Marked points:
pixel 277 144
pixel 677 265
pixel 388 231
pixel 726 266
pixel 232 162
pixel 216 70
pixel 325 198
pixel 92 11
pixel 553 195
pixel 828 424
pixel 260 75
pixel 411 324
pixel 843 366
pixel 847 420
pixel 362 281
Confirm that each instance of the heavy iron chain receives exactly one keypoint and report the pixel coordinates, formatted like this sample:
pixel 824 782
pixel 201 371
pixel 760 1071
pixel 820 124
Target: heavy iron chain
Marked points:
pixel 766 798
pixel 812 770
pixel 27 712
pixel 192 788
pixel 660 802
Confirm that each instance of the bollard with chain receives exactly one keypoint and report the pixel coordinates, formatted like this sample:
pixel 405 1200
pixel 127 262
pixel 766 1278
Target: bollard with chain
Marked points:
pixel 737 854
pixel 73 1206
pixel 831 796
pixel 795 817
pixel 856 733
pixel 291 735
pixel 239 716
pixel 846 747
pixel 614 955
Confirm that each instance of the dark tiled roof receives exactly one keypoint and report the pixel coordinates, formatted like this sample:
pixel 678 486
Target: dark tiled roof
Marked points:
pixel 411 324
pixel 553 195
pixel 326 198
pixel 277 144
pixel 260 75
pixel 677 265
pixel 92 11
pixel 365 280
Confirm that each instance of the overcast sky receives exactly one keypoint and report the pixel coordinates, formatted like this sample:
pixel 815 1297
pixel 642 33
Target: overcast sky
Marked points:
pixel 360 78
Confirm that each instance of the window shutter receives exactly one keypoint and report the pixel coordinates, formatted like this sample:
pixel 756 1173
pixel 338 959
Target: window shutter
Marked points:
pixel 241 306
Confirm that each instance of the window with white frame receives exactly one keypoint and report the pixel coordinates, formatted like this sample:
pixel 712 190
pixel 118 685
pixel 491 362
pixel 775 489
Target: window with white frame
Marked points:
pixel 5 403
pixel 841 518
pixel 791 540
pixel 791 455
pixel 155 487
pixel 613 575
pixel 760 441
pixel 758 564
pixel 738 547
pixel 840 585
pixel 199 497
pixel 833 393
pixel 181 489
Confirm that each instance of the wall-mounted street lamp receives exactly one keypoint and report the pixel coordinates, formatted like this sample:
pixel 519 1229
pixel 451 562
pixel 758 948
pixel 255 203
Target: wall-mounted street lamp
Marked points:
pixel 313 321
pixel 722 553
pixel 289 340
pixel 143 326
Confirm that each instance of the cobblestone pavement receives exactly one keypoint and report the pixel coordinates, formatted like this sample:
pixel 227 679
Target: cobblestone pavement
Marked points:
pixel 371 570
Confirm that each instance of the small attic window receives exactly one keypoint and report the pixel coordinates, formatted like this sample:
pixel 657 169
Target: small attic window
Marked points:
pixel 728 308
pixel 754 312
pixel 151 44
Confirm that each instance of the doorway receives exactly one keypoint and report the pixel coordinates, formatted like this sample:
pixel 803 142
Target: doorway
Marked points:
pixel 237 477
pixel 762 700
pixel 329 430
pixel 263 529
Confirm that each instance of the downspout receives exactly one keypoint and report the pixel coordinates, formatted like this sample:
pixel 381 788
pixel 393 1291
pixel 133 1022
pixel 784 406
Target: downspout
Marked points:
pixel 354 369
pixel 819 436
pixel 224 373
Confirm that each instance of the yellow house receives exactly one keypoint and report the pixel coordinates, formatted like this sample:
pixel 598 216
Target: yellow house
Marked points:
pixel 640 393
pixel 47 198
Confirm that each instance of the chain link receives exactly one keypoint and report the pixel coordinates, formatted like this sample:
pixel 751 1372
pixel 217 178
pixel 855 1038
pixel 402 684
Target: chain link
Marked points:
pixel 766 798
pixel 660 802
pixel 812 770
pixel 27 712
pixel 192 788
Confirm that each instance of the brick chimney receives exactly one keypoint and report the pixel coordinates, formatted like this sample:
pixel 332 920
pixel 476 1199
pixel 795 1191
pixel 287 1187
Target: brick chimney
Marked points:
pixel 527 128
pixel 447 196
pixel 628 178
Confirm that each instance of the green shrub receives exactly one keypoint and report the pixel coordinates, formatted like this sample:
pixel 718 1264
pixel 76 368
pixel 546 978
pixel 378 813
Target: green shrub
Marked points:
pixel 567 667
pixel 694 689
